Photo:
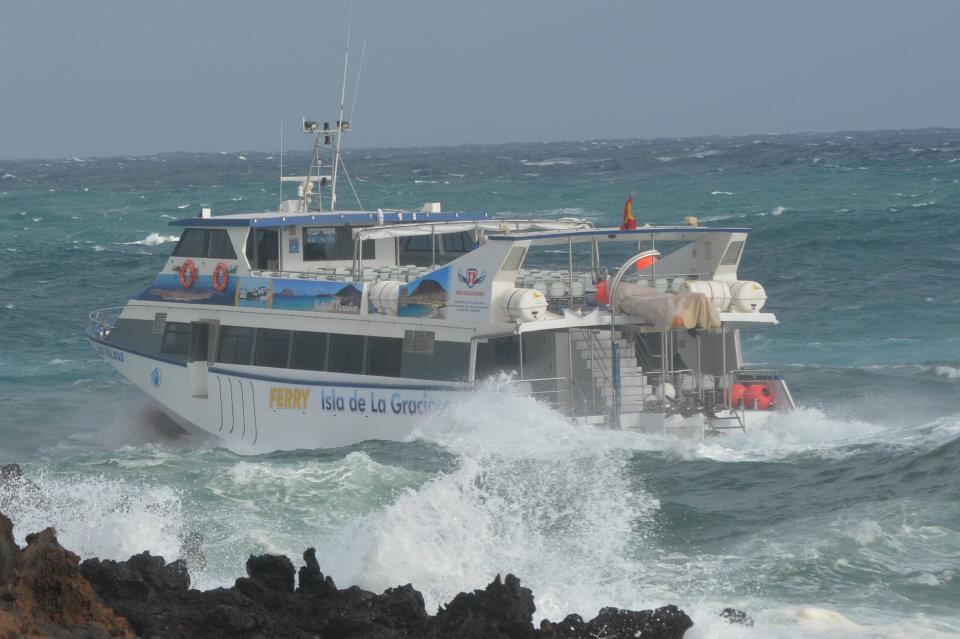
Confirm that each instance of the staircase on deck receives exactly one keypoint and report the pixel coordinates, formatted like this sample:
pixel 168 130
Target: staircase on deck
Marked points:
pixel 593 372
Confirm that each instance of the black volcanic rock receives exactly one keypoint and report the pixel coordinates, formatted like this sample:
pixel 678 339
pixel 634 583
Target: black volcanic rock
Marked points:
pixel 502 609
pixel 732 615
pixel 153 598
pixel 310 578
pixel 275 572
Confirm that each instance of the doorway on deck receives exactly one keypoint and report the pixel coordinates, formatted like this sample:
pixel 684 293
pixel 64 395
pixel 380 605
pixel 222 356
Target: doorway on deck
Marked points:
pixel 263 249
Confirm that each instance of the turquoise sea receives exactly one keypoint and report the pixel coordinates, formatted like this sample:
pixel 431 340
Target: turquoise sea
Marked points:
pixel 850 503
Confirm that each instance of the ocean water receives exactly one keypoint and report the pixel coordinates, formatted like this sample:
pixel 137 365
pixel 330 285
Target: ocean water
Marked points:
pixel 850 503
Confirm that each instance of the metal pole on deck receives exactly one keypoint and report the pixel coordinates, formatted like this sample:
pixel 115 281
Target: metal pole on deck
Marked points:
pixel 614 345
pixel 570 267
pixel 472 366
pixel 520 341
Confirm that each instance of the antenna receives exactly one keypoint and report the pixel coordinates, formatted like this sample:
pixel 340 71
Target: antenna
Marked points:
pixel 356 88
pixel 340 122
pixel 281 164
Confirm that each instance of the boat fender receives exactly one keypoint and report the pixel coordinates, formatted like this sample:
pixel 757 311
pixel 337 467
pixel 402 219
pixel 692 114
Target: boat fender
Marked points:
pixel 603 294
pixel 188 274
pixel 221 277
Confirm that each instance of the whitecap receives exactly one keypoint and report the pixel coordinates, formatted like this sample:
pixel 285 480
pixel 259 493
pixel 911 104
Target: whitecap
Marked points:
pixel 169 217
pixel 153 240
pixel 9 176
pixel 11 307
pixel 721 193
pixel 240 157
pixel 705 154
pixel 932 580
pixel 923 205
pixel 96 516
pixel 780 210
pixel 517 498
pixel 182 206
pixel 98 248
pixel 949 372
pixel 36 219
pixel 547 162
pixel 56 361
pixel 864 532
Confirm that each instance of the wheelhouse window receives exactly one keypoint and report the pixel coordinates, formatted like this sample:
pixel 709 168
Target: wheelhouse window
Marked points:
pixel 236 345
pixel 193 243
pixel 212 243
pixel 384 355
pixel 309 351
pixel 427 250
pixel 346 354
pixel 176 339
pixel 332 243
pixel 219 246
pixel 272 349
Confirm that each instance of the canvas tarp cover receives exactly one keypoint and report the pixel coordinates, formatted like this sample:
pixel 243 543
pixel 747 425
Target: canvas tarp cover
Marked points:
pixel 666 311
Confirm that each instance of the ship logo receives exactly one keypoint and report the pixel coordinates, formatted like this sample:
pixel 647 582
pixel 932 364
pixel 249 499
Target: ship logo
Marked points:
pixel 472 277
pixel 155 377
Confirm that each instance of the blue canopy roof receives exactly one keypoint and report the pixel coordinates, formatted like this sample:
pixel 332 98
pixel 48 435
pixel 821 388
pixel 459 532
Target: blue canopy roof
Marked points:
pixel 274 220
pixel 613 233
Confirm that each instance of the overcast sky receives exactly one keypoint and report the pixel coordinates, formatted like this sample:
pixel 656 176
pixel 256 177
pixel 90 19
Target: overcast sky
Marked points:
pixel 111 77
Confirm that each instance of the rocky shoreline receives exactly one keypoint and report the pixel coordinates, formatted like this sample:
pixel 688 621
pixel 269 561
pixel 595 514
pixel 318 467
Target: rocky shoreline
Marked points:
pixel 45 591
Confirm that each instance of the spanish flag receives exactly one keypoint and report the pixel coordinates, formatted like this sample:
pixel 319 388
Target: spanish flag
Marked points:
pixel 629 222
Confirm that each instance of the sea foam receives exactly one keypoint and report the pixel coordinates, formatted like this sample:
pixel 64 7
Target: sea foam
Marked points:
pixel 153 240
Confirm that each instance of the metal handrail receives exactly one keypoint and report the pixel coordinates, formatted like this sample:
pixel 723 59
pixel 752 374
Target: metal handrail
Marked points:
pixel 760 373
pixel 563 386
pixel 101 321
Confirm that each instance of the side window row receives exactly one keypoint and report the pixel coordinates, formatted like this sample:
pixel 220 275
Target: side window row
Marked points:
pixel 334 352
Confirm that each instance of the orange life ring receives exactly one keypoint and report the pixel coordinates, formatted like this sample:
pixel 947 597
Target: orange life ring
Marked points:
pixel 221 277
pixel 188 274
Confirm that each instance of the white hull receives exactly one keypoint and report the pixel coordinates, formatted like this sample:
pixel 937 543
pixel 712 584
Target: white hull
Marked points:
pixel 254 413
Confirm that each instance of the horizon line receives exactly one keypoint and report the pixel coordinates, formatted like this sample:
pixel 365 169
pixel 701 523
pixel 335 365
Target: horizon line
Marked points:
pixel 493 144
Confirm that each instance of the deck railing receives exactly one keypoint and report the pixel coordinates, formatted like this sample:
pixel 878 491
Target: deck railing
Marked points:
pixel 552 391
pixel 102 321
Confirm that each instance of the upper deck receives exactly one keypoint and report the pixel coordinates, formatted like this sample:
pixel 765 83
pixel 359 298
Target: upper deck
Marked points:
pixel 447 268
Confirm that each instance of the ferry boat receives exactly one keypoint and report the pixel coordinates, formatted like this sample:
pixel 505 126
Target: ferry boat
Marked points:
pixel 311 327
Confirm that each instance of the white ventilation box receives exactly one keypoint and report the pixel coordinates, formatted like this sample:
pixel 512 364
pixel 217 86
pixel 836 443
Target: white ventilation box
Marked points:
pixel 431 207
